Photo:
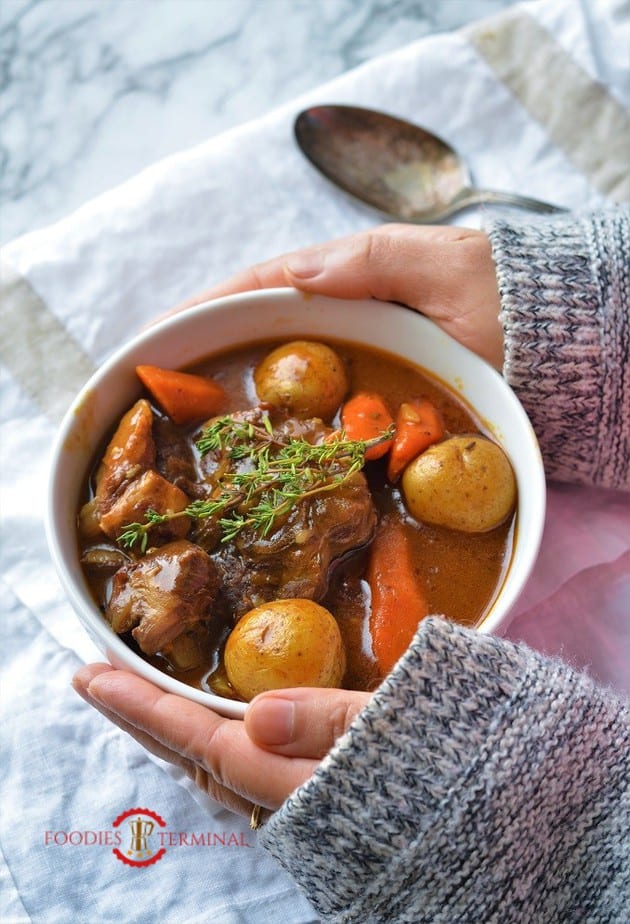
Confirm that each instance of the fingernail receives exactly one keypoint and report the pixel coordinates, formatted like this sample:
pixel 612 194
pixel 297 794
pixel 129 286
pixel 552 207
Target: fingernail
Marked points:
pixel 271 720
pixel 81 678
pixel 101 687
pixel 305 264
pixel 79 686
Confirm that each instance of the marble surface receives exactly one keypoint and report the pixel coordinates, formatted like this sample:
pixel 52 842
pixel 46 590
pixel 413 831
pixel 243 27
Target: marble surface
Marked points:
pixel 93 91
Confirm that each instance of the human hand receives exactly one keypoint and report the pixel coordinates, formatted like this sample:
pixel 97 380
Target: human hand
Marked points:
pixel 259 761
pixel 446 273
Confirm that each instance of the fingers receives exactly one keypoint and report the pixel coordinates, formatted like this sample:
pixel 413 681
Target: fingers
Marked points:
pixel 217 752
pixel 366 265
pixel 261 761
pixel 85 674
pixel 390 263
pixel 371 264
pixel 302 722
pixel 81 682
pixel 445 272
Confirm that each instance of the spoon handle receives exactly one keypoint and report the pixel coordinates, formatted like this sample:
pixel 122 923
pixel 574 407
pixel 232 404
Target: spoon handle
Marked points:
pixel 494 197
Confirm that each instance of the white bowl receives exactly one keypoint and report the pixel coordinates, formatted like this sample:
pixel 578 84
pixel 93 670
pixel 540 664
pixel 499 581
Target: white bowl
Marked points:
pixel 278 313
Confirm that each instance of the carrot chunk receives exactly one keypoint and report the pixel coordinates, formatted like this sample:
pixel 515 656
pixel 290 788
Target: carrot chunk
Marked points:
pixel 398 599
pixel 366 417
pixel 186 398
pixel 418 425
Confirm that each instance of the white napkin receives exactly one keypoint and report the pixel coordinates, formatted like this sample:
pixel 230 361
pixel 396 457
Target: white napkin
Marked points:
pixel 75 291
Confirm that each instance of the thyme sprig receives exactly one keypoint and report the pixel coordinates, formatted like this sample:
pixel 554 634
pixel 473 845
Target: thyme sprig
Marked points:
pixel 279 473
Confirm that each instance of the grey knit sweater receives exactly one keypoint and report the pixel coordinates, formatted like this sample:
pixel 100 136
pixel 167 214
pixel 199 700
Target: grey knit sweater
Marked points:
pixel 484 783
pixel 565 296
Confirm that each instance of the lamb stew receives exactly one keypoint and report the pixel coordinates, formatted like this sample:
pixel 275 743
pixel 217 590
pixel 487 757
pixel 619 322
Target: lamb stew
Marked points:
pixel 286 514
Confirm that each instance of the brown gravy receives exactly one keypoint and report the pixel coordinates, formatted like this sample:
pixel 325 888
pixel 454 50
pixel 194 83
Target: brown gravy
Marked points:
pixel 460 573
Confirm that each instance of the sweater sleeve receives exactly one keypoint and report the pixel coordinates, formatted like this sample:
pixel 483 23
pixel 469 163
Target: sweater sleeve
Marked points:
pixel 565 309
pixel 483 782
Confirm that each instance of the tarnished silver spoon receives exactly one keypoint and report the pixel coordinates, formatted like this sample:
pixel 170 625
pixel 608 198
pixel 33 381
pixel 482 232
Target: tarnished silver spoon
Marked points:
pixel 396 167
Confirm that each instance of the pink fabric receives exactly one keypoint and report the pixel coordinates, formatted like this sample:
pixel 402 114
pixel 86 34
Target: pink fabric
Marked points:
pixel 577 601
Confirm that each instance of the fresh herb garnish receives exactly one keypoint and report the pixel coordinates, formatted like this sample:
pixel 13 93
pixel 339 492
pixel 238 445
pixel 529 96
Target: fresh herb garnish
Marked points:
pixel 281 473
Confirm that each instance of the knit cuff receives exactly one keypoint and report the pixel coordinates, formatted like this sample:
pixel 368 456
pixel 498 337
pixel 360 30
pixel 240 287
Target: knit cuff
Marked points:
pixel 412 816
pixel 565 295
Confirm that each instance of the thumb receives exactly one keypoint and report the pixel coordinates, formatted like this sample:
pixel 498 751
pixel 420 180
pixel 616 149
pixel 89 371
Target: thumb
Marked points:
pixel 302 722
pixel 371 264
pixel 403 263
pixel 447 273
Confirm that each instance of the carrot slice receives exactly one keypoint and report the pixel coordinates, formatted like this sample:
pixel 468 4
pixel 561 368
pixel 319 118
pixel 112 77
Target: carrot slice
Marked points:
pixel 365 417
pixel 186 398
pixel 418 425
pixel 398 600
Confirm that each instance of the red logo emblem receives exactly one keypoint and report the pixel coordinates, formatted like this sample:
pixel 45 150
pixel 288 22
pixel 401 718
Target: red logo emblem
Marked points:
pixel 142 825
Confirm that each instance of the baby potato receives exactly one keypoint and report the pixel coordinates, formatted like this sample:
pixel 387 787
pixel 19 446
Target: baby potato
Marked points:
pixel 305 377
pixel 284 643
pixel 465 483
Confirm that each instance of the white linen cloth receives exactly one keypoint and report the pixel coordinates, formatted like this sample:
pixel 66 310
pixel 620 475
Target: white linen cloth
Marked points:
pixel 505 93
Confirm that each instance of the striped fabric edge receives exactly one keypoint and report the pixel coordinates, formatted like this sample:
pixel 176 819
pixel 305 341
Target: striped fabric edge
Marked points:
pixel 41 355
pixel 578 113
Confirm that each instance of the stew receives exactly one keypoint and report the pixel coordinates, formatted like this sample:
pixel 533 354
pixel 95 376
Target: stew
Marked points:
pixel 308 502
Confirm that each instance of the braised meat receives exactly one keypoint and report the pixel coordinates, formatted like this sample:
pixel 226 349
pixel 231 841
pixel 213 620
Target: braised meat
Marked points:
pixel 174 457
pixel 148 492
pixel 165 594
pixel 185 527
pixel 131 452
pixel 295 558
pixel 147 466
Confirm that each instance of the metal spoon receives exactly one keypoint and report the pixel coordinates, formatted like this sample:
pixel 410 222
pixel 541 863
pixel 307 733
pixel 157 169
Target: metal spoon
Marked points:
pixel 397 167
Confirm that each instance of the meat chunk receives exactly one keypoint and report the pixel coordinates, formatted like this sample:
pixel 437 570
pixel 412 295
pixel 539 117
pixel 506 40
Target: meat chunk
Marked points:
pixel 174 456
pixel 163 596
pixel 148 492
pixel 295 558
pixel 130 452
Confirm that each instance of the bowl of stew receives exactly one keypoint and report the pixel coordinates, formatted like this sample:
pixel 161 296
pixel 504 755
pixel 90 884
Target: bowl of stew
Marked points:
pixel 273 489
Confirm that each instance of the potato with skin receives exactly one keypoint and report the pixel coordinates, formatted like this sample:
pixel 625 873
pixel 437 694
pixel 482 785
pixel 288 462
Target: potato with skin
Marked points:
pixel 284 643
pixel 465 483
pixel 305 377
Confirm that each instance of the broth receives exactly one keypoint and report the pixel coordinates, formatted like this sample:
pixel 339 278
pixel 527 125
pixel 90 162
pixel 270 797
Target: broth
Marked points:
pixel 460 573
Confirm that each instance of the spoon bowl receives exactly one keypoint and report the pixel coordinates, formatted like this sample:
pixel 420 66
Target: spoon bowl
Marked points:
pixel 398 168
